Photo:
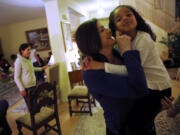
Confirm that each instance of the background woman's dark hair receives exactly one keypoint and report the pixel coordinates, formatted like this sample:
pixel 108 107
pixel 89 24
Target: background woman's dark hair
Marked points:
pixel 87 37
pixel 23 47
pixel 13 57
pixel 141 24
pixel 1 56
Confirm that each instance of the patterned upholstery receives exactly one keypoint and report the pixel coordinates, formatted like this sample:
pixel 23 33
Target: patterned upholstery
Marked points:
pixel 39 117
pixel 79 91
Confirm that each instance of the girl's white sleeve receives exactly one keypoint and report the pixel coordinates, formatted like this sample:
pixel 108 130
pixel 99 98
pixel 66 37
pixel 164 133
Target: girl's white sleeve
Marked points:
pixel 146 46
pixel 116 69
pixel 17 75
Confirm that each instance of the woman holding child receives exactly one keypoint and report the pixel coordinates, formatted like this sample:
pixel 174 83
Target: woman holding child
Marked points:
pixel 116 94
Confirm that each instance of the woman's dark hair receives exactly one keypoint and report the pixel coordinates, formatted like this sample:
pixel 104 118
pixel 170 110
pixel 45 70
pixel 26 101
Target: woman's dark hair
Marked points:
pixel 141 24
pixel 23 47
pixel 1 56
pixel 13 57
pixel 87 37
pixel 50 53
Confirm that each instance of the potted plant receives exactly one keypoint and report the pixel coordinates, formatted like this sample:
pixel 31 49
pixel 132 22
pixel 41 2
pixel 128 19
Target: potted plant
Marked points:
pixel 173 43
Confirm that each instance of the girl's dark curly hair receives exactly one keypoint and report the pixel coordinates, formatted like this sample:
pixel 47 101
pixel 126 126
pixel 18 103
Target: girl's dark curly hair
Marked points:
pixel 141 24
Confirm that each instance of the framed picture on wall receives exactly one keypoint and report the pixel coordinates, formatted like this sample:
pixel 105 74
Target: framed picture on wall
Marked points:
pixel 39 38
pixel 66 32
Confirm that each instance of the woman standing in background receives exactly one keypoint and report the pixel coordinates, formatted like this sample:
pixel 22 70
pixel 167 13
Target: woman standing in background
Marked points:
pixel 24 75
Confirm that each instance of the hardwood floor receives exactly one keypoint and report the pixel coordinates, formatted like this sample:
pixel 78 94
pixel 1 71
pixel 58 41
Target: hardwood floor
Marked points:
pixel 67 124
pixel 175 88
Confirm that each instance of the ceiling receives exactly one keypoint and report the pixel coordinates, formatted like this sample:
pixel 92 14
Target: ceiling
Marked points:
pixel 12 11
pixel 93 5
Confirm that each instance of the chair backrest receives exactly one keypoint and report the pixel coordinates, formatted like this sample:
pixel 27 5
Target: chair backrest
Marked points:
pixel 53 73
pixel 44 95
pixel 76 77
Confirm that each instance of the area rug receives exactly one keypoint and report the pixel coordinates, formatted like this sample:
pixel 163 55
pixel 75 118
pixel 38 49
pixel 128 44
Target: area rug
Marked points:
pixel 9 92
pixel 95 125
pixel 22 108
pixel 91 125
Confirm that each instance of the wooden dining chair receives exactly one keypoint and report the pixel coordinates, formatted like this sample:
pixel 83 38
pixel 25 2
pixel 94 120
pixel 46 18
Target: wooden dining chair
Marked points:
pixel 43 109
pixel 79 93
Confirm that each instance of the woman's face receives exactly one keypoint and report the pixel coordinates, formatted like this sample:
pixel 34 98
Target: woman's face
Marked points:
pixel 26 53
pixel 105 36
pixel 125 20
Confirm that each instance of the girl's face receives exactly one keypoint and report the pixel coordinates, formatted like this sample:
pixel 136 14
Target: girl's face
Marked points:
pixel 26 53
pixel 105 36
pixel 125 20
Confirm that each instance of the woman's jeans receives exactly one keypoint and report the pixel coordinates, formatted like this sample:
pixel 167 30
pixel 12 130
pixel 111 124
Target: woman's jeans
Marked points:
pixel 28 95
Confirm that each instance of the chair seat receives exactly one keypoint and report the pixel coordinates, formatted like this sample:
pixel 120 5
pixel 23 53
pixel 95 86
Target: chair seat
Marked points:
pixel 79 91
pixel 39 117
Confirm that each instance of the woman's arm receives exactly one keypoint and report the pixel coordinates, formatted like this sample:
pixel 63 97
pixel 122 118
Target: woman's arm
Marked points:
pixel 40 68
pixel 145 45
pixel 124 43
pixel 118 86
pixel 90 64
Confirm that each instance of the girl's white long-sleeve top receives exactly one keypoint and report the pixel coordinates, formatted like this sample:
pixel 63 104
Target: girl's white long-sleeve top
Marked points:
pixel 24 75
pixel 156 74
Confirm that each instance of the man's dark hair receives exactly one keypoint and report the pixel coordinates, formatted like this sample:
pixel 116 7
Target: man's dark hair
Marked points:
pixel 87 37
pixel 141 24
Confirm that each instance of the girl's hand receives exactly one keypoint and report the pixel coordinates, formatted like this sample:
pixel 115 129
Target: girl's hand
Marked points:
pixel 89 64
pixel 123 41
pixel 23 93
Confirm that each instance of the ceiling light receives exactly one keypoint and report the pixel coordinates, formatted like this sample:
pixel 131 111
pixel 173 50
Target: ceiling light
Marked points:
pixel 101 11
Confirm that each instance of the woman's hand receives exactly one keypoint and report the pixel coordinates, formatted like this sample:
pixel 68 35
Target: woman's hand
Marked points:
pixel 23 93
pixel 89 64
pixel 123 41
pixel 167 105
pixel 45 67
